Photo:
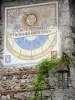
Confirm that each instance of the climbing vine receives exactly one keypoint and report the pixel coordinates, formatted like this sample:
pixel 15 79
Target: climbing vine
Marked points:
pixel 43 68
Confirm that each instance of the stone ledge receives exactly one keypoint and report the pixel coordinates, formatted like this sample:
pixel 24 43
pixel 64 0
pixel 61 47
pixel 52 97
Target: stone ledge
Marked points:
pixel 5 92
pixel 18 73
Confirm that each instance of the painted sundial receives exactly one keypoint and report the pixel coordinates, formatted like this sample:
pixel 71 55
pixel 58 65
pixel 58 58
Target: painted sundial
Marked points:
pixel 30 33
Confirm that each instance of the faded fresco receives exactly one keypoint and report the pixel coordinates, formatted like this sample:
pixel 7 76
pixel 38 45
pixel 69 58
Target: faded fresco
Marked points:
pixel 31 33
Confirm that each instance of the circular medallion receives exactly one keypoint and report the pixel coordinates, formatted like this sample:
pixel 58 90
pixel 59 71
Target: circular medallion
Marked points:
pixel 31 19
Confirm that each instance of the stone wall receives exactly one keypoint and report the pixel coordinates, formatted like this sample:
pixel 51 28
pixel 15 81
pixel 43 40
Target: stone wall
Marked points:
pixel 24 81
pixel 15 84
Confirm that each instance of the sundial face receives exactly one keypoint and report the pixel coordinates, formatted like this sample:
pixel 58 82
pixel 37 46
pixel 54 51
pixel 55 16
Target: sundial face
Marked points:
pixel 31 39
pixel 31 19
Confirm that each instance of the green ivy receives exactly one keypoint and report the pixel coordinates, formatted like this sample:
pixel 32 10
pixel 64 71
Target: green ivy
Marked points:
pixel 43 68
pixel 67 60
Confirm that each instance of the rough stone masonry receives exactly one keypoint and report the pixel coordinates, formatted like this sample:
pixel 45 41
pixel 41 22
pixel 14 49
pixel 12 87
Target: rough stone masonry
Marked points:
pixel 24 81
